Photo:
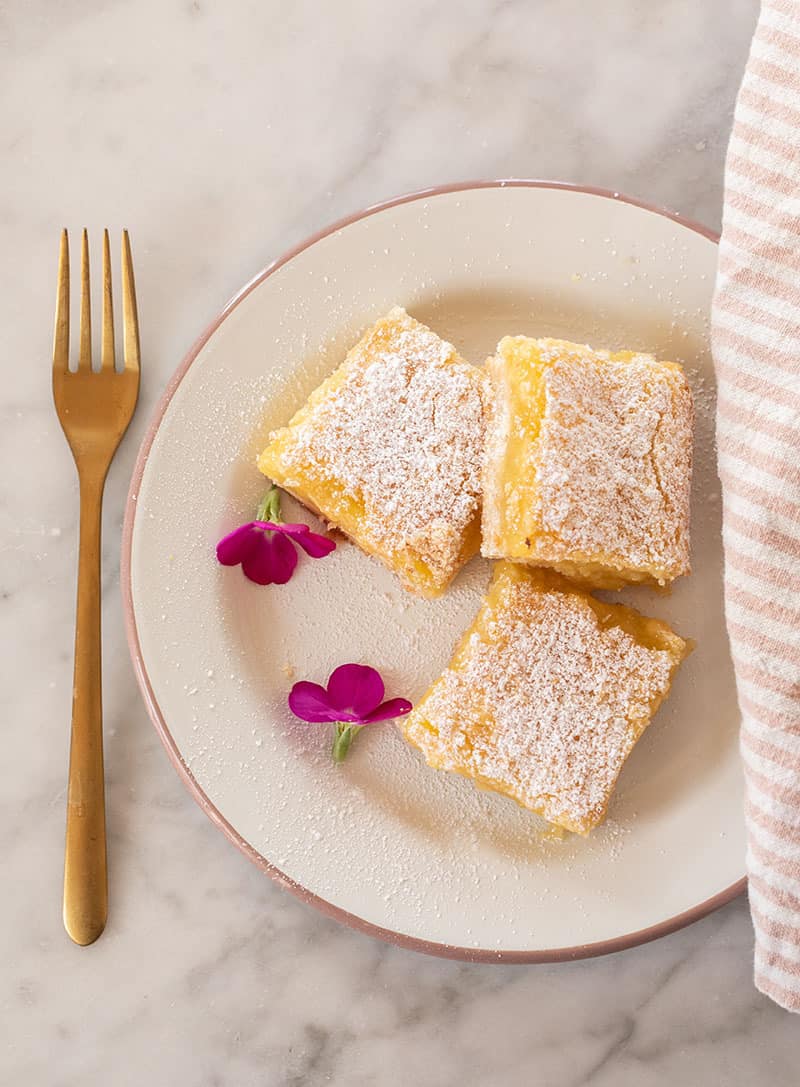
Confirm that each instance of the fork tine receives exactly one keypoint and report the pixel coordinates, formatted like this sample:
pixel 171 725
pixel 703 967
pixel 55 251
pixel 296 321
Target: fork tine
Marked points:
pixel 107 348
pixel 130 319
pixel 85 357
pixel 61 333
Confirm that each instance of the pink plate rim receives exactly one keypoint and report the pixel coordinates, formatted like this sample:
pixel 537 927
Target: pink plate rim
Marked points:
pixel 448 951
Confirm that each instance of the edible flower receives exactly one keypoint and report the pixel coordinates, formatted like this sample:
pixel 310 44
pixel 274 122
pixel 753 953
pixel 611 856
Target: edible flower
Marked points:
pixel 352 698
pixel 265 548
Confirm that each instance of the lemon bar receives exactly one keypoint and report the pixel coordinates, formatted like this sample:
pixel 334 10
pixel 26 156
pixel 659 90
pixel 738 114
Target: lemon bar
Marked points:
pixel 546 695
pixel 389 450
pixel 588 462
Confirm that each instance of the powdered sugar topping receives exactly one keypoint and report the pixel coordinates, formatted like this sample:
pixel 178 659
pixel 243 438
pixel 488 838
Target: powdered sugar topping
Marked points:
pixel 546 701
pixel 615 462
pixel 402 435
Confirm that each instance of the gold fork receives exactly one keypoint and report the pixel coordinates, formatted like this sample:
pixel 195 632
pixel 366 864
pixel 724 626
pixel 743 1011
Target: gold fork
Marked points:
pixel 94 409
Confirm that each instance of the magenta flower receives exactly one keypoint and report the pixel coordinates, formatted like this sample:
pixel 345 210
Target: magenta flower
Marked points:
pixel 352 699
pixel 265 548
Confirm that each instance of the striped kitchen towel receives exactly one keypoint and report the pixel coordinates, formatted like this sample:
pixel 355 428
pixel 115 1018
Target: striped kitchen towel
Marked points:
pixel 756 344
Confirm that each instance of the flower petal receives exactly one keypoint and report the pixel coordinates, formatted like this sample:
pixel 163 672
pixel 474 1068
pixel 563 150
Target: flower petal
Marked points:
pixel 272 562
pixel 310 702
pixel 355 687
pixel 232 548
pixel 311 542
pixel 394 707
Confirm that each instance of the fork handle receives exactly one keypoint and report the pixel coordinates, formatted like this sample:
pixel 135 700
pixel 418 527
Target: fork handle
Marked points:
pixel 85 878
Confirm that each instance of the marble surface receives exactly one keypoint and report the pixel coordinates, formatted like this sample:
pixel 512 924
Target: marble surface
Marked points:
pixel 220 134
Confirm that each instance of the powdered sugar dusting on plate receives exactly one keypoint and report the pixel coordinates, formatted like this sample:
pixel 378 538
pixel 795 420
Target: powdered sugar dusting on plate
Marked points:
pixel 384 836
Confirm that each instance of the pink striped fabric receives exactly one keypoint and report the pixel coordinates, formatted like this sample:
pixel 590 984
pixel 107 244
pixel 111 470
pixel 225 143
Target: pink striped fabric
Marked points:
pixel 756 343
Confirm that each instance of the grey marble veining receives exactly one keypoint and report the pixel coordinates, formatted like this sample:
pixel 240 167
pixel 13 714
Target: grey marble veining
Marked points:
pixel 220 134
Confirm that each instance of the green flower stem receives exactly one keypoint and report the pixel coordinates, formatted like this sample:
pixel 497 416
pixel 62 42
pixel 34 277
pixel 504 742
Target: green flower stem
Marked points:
pixel 270 508
pixel 345 734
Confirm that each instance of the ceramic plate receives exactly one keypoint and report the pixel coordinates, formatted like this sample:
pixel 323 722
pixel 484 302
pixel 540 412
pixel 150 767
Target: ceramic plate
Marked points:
pixel 382 842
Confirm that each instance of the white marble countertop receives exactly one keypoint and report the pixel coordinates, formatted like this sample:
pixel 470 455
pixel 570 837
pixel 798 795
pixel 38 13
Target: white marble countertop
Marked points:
pixel 220 134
